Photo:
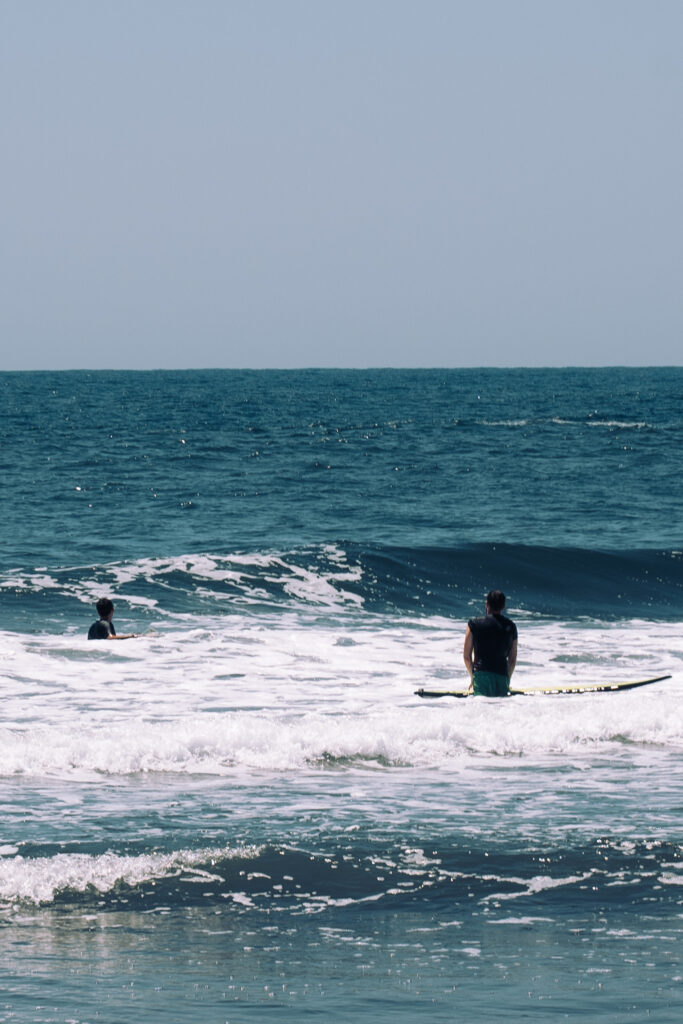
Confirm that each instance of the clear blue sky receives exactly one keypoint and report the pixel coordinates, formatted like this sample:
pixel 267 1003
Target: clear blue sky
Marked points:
pixel 340 183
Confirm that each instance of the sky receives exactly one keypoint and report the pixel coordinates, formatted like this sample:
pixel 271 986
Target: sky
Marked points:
pixel 348 183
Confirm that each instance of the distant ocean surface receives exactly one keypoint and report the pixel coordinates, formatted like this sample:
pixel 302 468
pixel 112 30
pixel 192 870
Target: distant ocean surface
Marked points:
pixel 246 814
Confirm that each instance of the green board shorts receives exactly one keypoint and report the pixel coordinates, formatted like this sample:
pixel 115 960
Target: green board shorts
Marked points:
pixel 490 684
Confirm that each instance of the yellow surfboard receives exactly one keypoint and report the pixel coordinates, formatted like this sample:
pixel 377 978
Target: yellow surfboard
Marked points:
pixel 537 691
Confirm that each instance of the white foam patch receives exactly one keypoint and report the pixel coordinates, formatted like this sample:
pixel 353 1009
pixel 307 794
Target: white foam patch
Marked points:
pixel 314 585
pixel 31 581
pixel 522 921
pixel 285 742
pixel 279 692
pixel 533 886
pixel 620 424
pixel 40 879
pixel 308 585
pixel 504 423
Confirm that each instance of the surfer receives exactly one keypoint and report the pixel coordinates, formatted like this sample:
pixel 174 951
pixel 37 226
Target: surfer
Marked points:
pixel 490 650
pixel 103 629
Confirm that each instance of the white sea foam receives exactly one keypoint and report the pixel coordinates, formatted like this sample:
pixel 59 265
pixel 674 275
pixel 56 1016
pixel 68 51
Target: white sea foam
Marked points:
pixel 281 693
pixel 38 880
pixel 504 423
pixel 313 585
pixel 620 424
pixel 281 741
pixel 522 921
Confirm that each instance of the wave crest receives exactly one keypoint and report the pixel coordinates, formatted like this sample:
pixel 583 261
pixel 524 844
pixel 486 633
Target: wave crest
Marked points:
pixel 349 577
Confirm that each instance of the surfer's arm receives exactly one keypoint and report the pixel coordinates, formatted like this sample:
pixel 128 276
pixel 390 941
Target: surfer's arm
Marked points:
pixel 121 636
pixel 468 653
pixel 512 658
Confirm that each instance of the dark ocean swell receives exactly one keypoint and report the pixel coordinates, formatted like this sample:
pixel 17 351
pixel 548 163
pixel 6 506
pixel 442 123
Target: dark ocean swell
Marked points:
pixel 563 583
pixel 275 878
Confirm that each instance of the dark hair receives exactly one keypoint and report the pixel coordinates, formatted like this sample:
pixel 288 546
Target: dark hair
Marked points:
pixel 495 599
pixel 104 607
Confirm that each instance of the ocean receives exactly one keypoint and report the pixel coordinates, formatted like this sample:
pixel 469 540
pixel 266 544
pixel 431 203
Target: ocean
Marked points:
pixel 246 814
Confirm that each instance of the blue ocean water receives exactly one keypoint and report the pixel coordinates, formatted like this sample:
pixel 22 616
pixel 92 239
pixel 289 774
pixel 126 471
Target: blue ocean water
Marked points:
pixel 246 813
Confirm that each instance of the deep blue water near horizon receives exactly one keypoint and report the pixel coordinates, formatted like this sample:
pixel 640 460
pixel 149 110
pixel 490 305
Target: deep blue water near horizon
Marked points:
pixel 397 456
pixel 246 813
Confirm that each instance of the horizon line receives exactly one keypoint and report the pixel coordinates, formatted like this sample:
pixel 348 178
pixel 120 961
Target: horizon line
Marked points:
pixel 337 369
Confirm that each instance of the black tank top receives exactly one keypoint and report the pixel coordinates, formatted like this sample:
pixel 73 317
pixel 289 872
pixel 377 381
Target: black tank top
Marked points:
pixel 493 637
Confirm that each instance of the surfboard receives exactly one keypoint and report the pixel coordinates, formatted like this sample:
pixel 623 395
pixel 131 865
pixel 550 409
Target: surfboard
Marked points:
pixel 536 691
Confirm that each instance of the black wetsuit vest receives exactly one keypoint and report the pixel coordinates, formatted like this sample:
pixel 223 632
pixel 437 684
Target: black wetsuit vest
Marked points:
pixel 101 629
pixel 493 637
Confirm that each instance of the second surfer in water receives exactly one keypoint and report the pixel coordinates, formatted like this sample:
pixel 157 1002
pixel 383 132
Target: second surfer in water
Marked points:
pixel 490 650
pixel 103 629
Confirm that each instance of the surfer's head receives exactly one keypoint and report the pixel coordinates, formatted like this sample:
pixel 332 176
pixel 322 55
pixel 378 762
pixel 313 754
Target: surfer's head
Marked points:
pixel 104 607
pixel 495 600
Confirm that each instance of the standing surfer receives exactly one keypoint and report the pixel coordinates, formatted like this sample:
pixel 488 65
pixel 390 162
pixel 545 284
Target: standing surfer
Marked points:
pixel 103 629
pixel 490 650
